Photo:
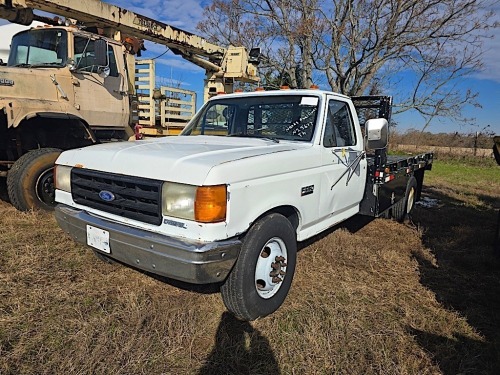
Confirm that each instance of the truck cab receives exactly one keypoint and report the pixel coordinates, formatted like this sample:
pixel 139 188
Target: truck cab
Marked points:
pixel 323 131
pixel 62 88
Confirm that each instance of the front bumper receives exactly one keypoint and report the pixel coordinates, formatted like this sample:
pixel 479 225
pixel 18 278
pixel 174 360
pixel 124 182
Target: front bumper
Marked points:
pixel 190 261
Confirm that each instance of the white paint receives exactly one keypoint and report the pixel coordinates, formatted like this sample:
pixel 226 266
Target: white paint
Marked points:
pixel 308 100
pixel 260 175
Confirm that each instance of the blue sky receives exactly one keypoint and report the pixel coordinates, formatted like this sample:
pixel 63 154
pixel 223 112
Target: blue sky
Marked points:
pixel 186 14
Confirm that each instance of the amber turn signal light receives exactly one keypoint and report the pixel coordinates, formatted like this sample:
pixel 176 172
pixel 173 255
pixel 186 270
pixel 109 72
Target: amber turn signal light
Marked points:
pixel 210 204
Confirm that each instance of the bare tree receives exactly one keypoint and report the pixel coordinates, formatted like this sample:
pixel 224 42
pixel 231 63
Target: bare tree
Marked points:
pixel 362 46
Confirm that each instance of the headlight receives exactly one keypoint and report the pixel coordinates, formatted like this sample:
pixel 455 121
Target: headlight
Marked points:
pixel 63 177
pixel 178 200
pixel 205 204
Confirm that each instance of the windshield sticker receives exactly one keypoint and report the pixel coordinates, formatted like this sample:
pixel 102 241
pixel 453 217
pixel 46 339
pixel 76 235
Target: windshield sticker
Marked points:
pixel 309 100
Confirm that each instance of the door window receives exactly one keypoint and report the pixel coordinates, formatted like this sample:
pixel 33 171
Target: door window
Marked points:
pixel 339 127
pixel 84 56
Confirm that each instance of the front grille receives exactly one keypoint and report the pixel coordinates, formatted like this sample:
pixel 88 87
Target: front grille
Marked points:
pixel 134 197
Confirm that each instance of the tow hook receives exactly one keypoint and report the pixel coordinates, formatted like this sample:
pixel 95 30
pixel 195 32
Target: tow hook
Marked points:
pixel 277 271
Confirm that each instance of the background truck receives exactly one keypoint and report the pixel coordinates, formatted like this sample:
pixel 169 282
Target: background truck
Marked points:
pixel 68 86
pixel 250 175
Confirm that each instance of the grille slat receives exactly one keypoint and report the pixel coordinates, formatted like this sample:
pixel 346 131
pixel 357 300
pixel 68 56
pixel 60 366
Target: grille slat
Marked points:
pixel 129 203
pixel 136 191
pixel 135 198
pixel 125 203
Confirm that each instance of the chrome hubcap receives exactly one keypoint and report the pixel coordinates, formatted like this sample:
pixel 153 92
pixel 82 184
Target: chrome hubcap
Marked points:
pixel 270 270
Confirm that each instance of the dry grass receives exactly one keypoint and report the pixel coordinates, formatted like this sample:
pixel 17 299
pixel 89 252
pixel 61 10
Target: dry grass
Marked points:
pixel 380 298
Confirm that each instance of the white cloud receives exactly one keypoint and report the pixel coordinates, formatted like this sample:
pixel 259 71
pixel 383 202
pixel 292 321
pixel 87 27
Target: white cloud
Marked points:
pixel 178 63
pixel 490 59
pixel 491 48
pixel 155 48
pixel 154 51
pixel 171 82
pixel 184 14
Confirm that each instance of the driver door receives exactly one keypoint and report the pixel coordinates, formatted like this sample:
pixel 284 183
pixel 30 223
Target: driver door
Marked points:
pixel 343 162
pixel 102 101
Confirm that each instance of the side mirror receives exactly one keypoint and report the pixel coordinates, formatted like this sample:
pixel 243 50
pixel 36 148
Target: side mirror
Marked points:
pixel 254 56
pixel 103 71
pixel 101 53
pixel 377 133
pixel 71 64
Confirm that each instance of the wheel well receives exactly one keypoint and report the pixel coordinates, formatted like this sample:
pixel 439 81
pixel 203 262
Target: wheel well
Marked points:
pixel 42 132
pixel 289 212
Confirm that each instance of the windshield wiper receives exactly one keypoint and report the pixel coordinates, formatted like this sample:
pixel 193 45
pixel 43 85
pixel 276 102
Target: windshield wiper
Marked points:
pixel 22 65
pixel 253 136
pixel 47 65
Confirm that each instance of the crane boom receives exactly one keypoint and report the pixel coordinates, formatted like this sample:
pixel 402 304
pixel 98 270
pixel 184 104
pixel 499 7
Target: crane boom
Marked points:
pixel 223 66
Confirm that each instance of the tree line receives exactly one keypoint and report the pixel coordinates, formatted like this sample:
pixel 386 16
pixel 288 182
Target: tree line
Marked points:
pixel 465 140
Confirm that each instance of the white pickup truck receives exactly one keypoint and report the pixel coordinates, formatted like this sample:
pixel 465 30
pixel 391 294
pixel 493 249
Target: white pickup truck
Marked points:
pixel 227 200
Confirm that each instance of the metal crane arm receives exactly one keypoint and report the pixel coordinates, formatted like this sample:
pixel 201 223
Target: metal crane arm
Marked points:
pixel 95 13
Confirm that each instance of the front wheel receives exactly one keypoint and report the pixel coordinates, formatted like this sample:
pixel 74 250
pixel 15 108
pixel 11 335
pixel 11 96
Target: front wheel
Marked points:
pixel 30 181
pixel 263 273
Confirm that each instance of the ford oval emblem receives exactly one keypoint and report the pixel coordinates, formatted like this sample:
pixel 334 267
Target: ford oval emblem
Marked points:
pixel 106 196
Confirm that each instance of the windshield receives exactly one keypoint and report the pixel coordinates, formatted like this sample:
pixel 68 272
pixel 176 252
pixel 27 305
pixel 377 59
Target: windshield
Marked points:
pixel 39 47
pixel 287 117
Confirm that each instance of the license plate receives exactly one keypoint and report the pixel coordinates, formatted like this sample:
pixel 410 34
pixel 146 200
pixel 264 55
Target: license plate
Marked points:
pixel 98 238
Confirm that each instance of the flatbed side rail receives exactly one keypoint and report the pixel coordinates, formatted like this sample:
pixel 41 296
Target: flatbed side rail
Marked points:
pixel 398 166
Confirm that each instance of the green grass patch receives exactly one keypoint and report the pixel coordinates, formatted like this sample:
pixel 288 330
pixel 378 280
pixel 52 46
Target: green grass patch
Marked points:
pixel 478 185
pixel 454 171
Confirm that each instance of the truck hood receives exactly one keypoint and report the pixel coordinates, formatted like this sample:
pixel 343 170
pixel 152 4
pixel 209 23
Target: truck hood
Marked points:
pixel 184 159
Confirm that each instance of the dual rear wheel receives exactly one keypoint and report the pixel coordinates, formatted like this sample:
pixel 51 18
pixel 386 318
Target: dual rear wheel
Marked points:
pixel 404 207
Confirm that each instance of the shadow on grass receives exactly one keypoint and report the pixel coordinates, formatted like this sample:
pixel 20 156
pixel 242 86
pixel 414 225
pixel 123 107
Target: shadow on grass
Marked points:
pixel 239 349
pixel 353 225
pixel 197 288
pixel 466 280
pixel 454 353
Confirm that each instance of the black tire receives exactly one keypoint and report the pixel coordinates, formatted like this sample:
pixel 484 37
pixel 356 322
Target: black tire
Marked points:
pixel 405 206
pixel 30 181
pixel 244 293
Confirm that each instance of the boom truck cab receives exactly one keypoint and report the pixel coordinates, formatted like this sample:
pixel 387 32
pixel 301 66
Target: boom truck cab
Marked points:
pixel 72 85
pixel 250 176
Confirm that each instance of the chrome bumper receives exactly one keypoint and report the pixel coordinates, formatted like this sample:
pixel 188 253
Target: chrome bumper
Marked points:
pixel 193 262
